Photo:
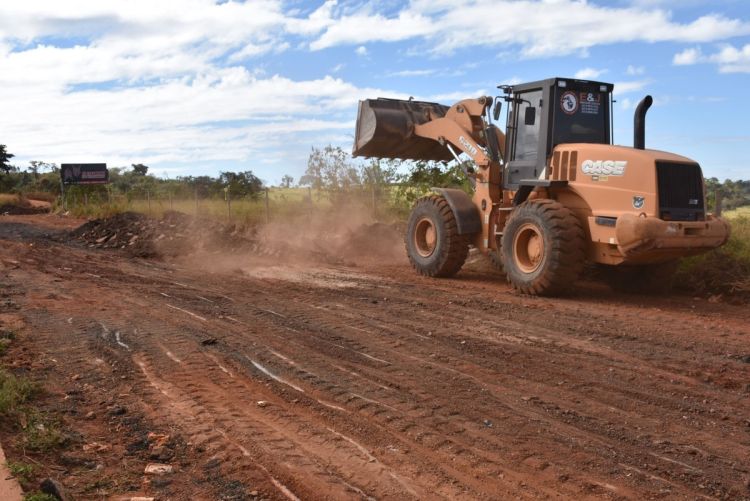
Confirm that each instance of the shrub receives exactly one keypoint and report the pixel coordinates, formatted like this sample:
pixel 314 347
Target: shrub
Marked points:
pixel 725 270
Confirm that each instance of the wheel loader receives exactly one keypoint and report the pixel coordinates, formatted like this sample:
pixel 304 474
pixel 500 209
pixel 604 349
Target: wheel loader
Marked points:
pixel 551 193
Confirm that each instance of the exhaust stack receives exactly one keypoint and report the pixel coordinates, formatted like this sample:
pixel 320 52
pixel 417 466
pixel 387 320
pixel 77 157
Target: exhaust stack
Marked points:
pixel 639 123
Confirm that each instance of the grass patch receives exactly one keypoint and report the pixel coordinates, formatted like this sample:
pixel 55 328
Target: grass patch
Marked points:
pixel 24 472
pixel 14 393
pixel 737 213
pixel 4 343
pixel 39 496
pixel 725 270
pixel 41 432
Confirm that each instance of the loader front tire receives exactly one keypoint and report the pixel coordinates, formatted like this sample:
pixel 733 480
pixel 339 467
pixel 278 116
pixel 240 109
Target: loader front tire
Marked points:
pixel 434 247
pixel 543 248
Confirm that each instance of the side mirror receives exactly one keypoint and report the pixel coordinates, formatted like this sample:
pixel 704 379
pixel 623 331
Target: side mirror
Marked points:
pixel 496 110
pixel 530 117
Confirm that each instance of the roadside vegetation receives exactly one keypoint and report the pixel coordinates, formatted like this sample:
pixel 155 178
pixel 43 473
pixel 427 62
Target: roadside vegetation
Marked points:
pixel 33 430
pixel 723 271
pixel 331 181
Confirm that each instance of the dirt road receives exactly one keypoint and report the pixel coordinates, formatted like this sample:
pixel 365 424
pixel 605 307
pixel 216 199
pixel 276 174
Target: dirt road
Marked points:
pixel 283 381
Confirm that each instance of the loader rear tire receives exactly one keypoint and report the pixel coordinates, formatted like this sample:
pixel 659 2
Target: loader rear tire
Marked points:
pixel 543 248
pixel 646 279
pixel 433 244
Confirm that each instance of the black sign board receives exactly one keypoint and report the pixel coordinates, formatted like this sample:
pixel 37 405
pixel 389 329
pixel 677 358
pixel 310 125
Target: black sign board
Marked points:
pixel 84 173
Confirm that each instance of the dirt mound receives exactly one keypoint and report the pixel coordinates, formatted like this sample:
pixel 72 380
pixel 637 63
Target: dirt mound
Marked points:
pixel 139 235
pixel 178 234
pixel 17 210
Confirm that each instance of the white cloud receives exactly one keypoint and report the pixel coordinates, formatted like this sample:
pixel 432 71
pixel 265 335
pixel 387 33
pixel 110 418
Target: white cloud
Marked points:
pixel 630 86
pixel 365 27
pixel 158 82
pixel 361 50
pixel 729 58
pixel 450 98
pixel 687 57
pixel 635 70
pixel 589 73
pixel 540 28
pixel 412 73
pixel 732 60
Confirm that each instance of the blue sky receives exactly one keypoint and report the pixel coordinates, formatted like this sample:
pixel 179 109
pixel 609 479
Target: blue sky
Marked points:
pixel 194 87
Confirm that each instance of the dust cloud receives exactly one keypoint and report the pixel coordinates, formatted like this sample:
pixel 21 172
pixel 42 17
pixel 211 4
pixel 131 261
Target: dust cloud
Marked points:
pixel 310 247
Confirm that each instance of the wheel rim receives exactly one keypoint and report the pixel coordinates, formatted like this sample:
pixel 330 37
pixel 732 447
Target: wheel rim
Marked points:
pixel 425 237
pixel 528 248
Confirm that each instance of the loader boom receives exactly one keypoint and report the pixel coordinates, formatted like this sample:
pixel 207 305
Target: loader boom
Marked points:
pixel 416 130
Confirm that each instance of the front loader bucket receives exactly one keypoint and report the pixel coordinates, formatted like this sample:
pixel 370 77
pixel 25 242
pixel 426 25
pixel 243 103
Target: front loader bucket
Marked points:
pixel 385 129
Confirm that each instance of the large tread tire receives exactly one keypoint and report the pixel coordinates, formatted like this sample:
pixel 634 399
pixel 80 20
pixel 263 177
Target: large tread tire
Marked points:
pixel 649 279
pixel 555 260
pixel 447 254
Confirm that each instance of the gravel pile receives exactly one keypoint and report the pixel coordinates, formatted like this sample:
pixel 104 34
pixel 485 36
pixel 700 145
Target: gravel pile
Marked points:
pixel 139 235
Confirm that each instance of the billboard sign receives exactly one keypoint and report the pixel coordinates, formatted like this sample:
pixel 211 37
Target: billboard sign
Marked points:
pixel 84 173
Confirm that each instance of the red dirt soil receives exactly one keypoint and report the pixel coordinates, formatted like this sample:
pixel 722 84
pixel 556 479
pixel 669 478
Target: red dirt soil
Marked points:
pixel 280 380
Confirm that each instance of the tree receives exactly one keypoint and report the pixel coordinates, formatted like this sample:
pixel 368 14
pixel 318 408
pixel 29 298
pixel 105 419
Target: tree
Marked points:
pixel 4 157
pixel 37 166
pixel 380 173
pixel 241 184
pixel 287 181
pixel 140 169
pixel 329 169
pixel 734 193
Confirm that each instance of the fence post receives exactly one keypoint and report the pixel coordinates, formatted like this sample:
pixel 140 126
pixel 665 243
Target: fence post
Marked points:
pixel 719 198
pixel 148 198
pixel 229 205
pixel 374 204
pixel 196 201
pixel 62 195
pixel 171 207
pixel 268 216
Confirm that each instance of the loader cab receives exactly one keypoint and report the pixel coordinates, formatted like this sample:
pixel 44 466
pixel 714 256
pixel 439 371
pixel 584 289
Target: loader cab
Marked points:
pixel 549 112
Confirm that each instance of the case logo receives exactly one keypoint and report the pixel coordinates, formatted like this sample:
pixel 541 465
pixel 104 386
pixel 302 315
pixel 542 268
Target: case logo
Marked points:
pixel 468 147
pixel 638 202
pixel 604 167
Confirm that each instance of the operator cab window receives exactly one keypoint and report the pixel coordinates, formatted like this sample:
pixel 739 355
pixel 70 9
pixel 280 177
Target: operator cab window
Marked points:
pixel 527 136
pixel 581 115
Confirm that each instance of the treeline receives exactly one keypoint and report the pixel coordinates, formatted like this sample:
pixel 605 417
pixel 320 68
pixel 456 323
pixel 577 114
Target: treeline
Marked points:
pixel 733 193
pixel 133 182
pixel 330 172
